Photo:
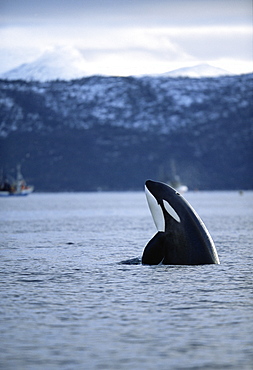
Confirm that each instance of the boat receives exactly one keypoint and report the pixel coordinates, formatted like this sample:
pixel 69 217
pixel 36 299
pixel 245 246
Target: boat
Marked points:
pixel 173 180
pixel 177 185
pixel 9 187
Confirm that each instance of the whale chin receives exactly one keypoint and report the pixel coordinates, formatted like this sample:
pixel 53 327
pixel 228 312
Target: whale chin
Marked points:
pixel 182 237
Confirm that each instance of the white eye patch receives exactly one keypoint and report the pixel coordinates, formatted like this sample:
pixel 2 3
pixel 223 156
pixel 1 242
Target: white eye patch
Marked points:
pixel 171 211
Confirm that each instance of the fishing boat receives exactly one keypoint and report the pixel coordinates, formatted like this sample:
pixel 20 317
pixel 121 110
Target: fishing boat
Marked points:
pixel 173 180
pixel 177 185
pixel 19 187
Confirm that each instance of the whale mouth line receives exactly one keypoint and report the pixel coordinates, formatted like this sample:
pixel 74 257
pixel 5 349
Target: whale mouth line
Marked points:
pixel 180 230
pixel 157 210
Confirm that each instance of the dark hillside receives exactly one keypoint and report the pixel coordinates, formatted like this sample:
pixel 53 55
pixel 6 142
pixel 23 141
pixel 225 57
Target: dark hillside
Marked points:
pixel 108 133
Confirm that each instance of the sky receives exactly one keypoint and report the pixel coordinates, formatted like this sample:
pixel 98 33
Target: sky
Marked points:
pixel 130 37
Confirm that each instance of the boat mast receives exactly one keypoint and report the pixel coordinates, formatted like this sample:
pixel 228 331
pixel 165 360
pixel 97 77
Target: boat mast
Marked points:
pixel 19 178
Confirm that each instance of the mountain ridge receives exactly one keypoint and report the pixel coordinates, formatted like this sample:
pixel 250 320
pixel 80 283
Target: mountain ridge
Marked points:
pixel 57 63
pixel 198 71
pixel 111 133
pixel 67 63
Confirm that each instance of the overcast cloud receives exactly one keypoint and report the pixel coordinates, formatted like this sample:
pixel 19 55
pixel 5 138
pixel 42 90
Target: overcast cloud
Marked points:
pixel 130 37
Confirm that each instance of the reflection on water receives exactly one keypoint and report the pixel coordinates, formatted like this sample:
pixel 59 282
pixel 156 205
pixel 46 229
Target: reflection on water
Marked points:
pixel 66 302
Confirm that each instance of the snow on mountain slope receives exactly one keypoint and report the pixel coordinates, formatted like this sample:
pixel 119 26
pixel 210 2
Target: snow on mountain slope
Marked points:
pixel 64 63
pixel 200 70
pixel 78 132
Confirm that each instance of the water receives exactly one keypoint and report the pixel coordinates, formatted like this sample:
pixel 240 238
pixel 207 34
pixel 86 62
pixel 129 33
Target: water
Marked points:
pixel 66 303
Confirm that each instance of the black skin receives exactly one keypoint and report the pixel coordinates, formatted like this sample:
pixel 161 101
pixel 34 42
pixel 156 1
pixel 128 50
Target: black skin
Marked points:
pixel 178 245
pixel 154 251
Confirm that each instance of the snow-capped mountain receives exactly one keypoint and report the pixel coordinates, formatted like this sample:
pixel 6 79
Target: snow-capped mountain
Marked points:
pixel 67 63
pixel 198 71
pixel 112 133
pixel 63 63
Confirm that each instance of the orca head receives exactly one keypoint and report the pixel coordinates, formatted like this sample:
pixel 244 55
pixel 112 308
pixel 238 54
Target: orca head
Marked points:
pixel 161 200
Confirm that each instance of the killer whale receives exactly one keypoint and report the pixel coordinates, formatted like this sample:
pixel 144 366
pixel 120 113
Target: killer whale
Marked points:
pixel 182 237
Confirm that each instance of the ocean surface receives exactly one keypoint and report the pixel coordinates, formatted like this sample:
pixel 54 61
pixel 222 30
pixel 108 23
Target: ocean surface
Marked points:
pixel 67 303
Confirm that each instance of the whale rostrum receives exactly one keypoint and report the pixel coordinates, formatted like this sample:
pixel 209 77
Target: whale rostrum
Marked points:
pixel 182 237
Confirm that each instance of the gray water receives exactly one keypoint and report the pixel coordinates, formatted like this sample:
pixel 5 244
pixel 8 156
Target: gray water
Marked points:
pixel 66 302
